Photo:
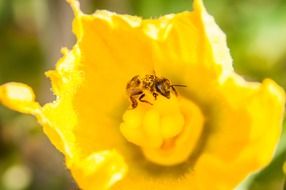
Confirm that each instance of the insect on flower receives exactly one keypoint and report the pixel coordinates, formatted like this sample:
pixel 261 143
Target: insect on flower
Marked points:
pixel 137 86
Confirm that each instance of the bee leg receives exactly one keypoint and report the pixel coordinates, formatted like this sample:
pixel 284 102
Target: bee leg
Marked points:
pixel 134 102
pixel 142 96
pixel 174 90
pixel 133 98
pixel 155 95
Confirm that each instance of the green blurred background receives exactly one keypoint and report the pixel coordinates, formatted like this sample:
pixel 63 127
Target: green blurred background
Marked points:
pixel 33 31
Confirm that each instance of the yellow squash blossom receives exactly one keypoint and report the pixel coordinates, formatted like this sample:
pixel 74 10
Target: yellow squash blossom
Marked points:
pixel 211 135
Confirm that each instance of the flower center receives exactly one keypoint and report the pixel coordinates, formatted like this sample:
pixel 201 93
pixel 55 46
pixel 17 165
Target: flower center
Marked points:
pixel 167 131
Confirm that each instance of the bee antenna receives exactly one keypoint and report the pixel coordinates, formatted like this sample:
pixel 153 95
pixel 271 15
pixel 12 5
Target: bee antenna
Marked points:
pixel 181 85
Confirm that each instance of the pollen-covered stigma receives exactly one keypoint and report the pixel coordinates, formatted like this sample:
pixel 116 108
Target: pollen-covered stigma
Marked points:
pixel 166 127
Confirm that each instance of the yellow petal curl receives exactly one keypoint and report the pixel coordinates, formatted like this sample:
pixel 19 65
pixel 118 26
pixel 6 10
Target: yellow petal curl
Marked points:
pixel 242 119
pixel 18 96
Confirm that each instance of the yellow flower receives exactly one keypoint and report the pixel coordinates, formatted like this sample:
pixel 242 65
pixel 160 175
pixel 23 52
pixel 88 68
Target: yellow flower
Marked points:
pixel 215 132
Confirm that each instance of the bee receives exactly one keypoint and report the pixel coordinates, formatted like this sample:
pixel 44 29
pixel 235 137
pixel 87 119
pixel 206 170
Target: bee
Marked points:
pixel 137 87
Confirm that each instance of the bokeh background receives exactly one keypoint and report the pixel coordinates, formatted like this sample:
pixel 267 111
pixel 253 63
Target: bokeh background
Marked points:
pixel 32 33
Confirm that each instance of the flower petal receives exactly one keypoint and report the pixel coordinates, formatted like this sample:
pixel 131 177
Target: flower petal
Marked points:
pixel 100 170
pixel 110 58
pixel 19 97
pixel 248 120
pixel 190 42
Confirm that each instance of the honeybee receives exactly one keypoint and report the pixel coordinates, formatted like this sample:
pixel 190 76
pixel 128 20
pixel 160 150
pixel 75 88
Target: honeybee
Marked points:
pixel 152 83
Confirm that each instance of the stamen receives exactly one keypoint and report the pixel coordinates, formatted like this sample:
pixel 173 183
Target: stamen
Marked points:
pixel 167 132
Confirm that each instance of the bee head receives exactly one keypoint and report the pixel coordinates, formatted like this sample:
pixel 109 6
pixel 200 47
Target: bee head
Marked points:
pixel 163 86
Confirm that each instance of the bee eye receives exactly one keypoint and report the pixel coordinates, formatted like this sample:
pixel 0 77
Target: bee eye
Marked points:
pixel 159 87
